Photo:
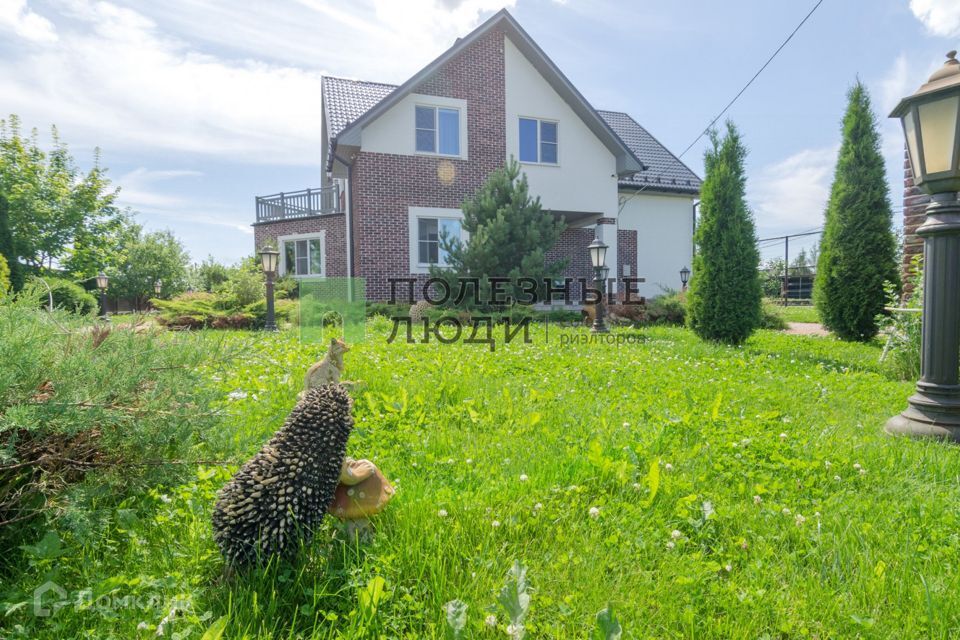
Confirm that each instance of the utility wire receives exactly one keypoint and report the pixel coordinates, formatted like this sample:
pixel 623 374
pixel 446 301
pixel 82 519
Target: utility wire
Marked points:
pixel 735 98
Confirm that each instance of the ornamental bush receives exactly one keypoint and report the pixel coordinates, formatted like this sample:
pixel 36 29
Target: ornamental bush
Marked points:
pixel 858 252
pixel 725 294
pixel 67 295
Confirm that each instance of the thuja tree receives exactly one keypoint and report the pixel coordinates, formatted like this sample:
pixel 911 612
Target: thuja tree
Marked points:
pixel 725 293
pixel 858 251
pixel 509 236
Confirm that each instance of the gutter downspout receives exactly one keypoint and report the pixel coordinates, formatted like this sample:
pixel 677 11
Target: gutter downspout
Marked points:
pixel 349 221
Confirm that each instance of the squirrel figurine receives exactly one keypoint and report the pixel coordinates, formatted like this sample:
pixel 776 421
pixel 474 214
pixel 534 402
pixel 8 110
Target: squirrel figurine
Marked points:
pixel 329 369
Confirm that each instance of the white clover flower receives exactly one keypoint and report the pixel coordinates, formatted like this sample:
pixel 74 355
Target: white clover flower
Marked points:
pixel 783 436
pixel 442 513
pixel 671 544
pixel 827 464
pixel 469 460
pixel 143 625
pixel 856 465
pixel 626 424
pixel 837 478
pixel 676 534
pixel 495 524
pixel 744 545
pixel 799 520
pixel 523 477
pixel 237 395
pixel 816 514
pixel 668 467
pixel 594 512
pixel 863 472
pixel 738 456
pixel 514 630
pixel 490 620
pixel 728 568
pixel 757 499
pixel 786 511
pixel 538 506
pixel 637 486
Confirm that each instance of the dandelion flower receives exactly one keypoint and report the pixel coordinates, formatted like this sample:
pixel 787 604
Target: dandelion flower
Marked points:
pixel 594 512
pixel 442 513
pixel 490 620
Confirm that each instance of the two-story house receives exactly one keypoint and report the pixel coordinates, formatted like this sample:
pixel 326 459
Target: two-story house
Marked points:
pixel 398 162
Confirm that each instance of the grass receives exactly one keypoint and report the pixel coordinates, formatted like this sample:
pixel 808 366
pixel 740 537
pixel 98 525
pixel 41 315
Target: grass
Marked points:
pixel 795 313
pixel 740 493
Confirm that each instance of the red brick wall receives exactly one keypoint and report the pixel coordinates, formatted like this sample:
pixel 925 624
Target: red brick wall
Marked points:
pixel 914 203
pixel 572 246
pixel 384 186
pixel 335 241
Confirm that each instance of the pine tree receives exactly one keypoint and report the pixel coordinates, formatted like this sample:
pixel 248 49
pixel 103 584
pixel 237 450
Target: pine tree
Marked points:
pixel 7 249
pixel 724 300
pixel 858 251
pixel 509 235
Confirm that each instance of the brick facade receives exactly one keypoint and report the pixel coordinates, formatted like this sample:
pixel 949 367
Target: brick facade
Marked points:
pixel 627 254
pixel 386 185
pixel 914 203
pixel 335 241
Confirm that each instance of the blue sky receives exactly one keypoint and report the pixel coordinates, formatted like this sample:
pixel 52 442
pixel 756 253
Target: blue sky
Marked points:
pixel 198 106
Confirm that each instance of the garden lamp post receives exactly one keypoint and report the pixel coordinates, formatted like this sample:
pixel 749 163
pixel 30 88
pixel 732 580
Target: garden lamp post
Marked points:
pixel 598 256
pixel 158 287
pixel 269 258
pixel 102 282
pixel 931 123
pixel 684 278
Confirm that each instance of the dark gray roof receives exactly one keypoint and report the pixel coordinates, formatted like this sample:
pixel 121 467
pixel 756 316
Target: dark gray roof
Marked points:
pixel 346 100
pixel 665 171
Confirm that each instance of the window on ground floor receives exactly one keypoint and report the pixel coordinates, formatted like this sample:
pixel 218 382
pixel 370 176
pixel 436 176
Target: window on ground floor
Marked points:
pixel 303 255
pixel 429 233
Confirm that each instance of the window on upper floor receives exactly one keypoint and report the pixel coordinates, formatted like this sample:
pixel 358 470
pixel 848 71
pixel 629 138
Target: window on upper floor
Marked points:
pixel 438 130
pixel 303 255
pixel 430 231
pixel 538 141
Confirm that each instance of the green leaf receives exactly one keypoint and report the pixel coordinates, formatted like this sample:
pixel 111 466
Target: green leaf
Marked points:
pixel 48 548
pixel 514 597
pixel 215 631
pixel 608 627
pixel 372 595
pixel 653 481
pixel 456 611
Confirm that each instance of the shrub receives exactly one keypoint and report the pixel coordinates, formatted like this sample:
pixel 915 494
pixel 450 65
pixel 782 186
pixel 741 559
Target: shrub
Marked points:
pixel 903 329
pixel 243 287
pixel 670 308
pixel 770 318
pixel 724 297
pixel 200 310
pixel 4 275
pixel 67 295
pixel 858 254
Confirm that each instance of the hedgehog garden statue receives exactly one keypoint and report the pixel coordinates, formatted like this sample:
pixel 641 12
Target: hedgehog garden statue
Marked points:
pixel 281 494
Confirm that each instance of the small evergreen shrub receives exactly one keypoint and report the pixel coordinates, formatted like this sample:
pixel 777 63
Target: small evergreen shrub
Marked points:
pixel 67 295
pixel 724 296
pixel 4 275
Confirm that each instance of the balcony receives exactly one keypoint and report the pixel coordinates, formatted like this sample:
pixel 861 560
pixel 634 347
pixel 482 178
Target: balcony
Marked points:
pixel 300 204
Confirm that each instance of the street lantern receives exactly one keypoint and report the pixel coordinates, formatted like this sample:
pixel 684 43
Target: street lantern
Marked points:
pixel 598 257
pixel 684 277
pixel 269 258
pixel 931 122
pixel 102 282
pixel 158 287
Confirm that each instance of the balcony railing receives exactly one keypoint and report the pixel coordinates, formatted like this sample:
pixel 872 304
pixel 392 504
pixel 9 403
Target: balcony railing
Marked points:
pixel 300 204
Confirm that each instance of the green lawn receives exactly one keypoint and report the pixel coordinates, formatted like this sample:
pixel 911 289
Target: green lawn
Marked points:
pixel 795 313
pixel 741 493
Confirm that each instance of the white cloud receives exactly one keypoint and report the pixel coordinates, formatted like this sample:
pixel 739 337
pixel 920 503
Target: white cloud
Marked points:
pixel 790 196
pixel 940 17
pixel 16 16
pixel 236 84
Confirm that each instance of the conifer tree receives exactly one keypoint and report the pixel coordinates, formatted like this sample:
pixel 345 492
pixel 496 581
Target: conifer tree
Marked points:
pixel 15 272
pixel 858 251
pixel 724 300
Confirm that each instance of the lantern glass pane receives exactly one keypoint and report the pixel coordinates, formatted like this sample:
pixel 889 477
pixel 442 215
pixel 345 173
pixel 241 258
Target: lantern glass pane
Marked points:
pixel 938 126
pixel 910 131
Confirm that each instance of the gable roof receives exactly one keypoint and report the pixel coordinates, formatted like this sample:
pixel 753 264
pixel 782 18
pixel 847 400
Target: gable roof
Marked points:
pixel 346 100
pixel 665 171
pixel 627 161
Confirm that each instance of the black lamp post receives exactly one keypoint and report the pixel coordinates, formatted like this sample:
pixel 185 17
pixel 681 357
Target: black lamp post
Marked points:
pixel 102 282
pixel 931 123
pixel 269 257
pixel 598 256
pixel 684 278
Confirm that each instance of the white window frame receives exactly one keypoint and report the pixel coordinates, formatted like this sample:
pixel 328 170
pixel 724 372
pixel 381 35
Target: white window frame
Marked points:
pixel 539 122
pixel 413 227
pixel 436 128
pixel 318 235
